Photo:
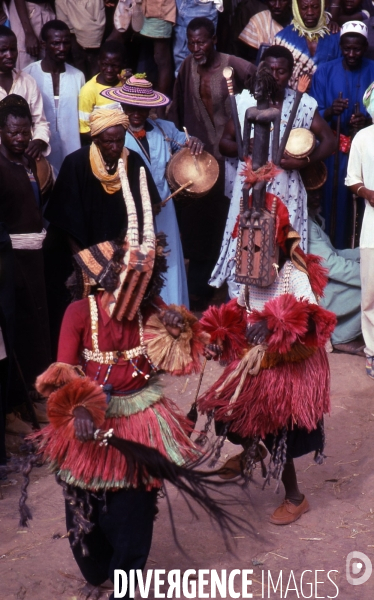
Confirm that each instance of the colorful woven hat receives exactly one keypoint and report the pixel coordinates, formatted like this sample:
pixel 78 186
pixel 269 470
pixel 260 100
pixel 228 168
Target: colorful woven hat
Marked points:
pixel 136 91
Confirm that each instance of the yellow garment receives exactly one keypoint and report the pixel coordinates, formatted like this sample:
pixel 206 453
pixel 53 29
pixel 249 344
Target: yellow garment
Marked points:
pixel 89 97
pixel 320 30
pixel 110 183
pixel 103 118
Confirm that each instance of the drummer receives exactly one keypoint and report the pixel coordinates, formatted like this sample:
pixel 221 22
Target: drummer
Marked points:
pixel 156 141
pixel 287 184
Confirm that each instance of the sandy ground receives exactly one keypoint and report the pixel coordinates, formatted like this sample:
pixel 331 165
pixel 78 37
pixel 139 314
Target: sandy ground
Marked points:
pixel 36 563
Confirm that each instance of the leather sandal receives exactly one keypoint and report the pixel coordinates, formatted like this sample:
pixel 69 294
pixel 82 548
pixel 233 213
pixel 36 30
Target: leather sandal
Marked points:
pixel 288 512
pixel 234 465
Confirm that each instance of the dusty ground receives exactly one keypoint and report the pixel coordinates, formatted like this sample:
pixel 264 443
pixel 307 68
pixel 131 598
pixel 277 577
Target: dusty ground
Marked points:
pixel 36 564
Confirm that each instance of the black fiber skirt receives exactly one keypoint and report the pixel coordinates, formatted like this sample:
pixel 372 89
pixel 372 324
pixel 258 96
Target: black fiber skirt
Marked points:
pixel 299 440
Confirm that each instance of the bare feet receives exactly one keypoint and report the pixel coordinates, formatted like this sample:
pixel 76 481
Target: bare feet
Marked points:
pixel 90 592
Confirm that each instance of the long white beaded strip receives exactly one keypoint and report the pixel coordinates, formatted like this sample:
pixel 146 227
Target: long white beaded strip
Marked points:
pixel 109 357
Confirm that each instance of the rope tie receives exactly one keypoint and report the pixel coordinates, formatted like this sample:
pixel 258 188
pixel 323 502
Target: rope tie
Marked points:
pixel 249 365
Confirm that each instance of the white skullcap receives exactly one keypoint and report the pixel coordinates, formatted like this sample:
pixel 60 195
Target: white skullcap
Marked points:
pixel 354 27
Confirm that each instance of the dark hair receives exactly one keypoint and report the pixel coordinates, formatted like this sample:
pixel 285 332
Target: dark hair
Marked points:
pixel 6 32
pixel 16 106
pixel 112 47
pixel 202 23
pixel 279 52
pixel 54 25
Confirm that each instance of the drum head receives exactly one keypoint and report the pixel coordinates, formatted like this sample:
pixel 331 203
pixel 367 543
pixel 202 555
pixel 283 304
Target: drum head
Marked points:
pixel 300 143
pixel 202 170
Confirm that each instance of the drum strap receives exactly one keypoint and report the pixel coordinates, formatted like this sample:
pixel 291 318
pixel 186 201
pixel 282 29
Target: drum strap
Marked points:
pixel 141 147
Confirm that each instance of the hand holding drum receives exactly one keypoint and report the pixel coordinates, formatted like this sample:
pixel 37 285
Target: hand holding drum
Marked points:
pixel 193 176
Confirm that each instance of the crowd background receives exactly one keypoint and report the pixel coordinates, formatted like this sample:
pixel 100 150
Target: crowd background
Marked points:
pixel 97 99
pixel 62 57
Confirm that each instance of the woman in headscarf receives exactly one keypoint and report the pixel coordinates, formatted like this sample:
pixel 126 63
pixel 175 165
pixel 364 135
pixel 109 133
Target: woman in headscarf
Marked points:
pixel 311 37
pixel 87 205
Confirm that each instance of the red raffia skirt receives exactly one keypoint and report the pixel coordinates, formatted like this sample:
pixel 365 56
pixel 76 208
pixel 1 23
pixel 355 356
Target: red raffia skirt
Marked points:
pixel 93 467
pixel 291 393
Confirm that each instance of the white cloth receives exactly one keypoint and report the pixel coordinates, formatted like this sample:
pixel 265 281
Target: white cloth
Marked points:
pixel 289 281
pixel 85 19
pixel 28 241
pixel 287 185
pixel 39 14
pixel 231 166
pixel 63 119
pixel 218 3
pixel 367 298
pixel 24 85
pixel 361 170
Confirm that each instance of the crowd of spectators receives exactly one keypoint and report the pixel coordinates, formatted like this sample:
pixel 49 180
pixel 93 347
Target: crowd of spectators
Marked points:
pixel 60 61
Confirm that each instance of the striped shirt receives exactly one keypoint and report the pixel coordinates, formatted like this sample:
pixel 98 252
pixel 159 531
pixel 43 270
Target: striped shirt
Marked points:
pixel 261 29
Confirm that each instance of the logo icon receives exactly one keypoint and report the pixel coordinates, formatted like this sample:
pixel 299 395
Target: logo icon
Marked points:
pixel 358 562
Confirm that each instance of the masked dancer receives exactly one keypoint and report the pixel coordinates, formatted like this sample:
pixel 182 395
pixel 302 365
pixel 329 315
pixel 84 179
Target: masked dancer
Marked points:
pixel 116 333
pixel 276 385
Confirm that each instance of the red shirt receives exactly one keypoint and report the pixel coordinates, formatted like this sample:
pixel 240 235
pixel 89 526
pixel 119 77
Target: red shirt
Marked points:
pixel 75 335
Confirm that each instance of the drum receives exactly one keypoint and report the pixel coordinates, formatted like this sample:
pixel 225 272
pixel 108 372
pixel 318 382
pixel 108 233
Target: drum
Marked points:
pixel 301 143
pixel 201 169
pixel 314 175
pixel 45 175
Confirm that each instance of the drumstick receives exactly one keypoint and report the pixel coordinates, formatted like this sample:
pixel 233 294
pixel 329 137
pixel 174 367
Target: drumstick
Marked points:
pixel 302 86
pixel 227 73
pixel 182 187
pixel 334 202
pixel 194 156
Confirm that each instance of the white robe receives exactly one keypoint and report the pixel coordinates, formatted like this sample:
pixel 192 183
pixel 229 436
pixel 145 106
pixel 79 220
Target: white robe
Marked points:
pixel 63 119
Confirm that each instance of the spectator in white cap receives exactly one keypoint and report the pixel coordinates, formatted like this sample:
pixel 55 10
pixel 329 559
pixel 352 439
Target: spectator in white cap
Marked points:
pixel 360 179
pixel 338 86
